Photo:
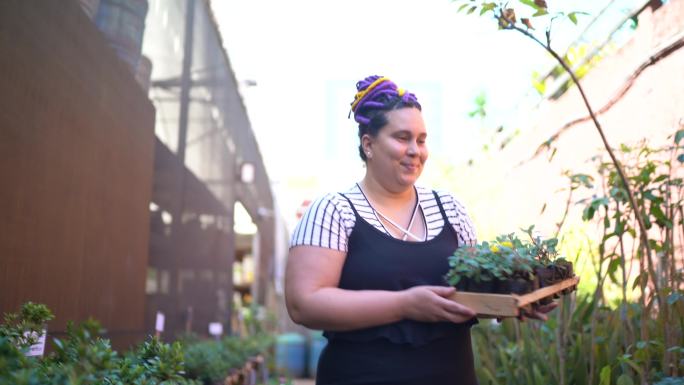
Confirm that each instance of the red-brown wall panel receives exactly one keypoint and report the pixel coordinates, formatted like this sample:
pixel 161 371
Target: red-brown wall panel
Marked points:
pixel 76 164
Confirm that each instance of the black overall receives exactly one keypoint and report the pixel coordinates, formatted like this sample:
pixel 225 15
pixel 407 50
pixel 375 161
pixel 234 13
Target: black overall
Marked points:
pixel 405 352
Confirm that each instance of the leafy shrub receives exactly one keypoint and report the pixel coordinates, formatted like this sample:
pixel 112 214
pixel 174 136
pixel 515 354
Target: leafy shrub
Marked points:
pixel 15 368
pixel 208 362
pixel 23 328
pixel 85 358
pixel 211 361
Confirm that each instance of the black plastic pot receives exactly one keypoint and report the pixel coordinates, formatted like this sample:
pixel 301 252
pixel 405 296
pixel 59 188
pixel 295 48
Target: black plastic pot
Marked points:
pixel 565 271
pixel 545 275
pixel 516 286
pixel 567 266
pixel 462 285
pixel 481 286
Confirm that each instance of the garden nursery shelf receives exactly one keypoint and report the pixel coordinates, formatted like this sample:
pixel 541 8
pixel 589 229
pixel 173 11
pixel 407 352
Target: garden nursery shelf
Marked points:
pixel 511 305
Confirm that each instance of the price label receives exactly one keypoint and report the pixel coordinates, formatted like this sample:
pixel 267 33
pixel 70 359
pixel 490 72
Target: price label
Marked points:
pixel 215 329
pixel 37 349
pixel 159 323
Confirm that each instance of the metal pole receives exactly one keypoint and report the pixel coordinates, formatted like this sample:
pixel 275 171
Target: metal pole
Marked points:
pixel 186 84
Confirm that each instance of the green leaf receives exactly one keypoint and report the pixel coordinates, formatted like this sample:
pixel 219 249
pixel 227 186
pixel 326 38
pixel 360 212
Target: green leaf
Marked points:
pixel 591 209
pixel 584 179
pixel 640 278
pixel 612 268
pixel 624 380
pixel 680 158
pixel 626 358
pixel 573 17
pixel 619 227
pixel 540 12
pixel 661 218
pixel 648 194
pixel 647 222
pixel 679 135
pixel 538 378
pixel 487 7
pixel 58 343
pixel 538 85
pixel 605 375
pixel 529 3
pixel 618 193
pixel 472 9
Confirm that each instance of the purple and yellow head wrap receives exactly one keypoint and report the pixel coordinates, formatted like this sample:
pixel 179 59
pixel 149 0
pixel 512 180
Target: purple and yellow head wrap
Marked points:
pixel 378 93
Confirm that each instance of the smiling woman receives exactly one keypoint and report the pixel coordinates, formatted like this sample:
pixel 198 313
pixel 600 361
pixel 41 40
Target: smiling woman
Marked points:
pixel 367 265
pixel 400 149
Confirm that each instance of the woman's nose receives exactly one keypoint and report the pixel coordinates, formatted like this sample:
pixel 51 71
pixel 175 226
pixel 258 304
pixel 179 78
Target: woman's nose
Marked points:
pixel 412 148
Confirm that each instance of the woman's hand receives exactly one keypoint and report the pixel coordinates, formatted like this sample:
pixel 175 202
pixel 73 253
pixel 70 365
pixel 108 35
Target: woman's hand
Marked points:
pixel 539 312
pixel 430 303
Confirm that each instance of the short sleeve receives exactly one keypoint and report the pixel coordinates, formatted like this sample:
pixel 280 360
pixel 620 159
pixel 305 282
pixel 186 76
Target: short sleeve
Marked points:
pixel 459 219
pixel 325 223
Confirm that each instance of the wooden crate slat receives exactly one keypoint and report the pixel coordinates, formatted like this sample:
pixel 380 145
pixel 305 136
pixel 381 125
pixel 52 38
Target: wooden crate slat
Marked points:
pixel 546 291
pixel 507 305
pixel 488 304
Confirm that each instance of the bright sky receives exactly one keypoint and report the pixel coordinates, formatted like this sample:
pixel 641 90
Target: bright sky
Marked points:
pixel 306 56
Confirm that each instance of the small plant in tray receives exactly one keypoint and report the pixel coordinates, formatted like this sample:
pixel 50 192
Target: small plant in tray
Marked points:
pixel 509 265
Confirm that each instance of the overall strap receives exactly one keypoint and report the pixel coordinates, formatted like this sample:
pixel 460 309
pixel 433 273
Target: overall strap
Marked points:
pixel 350 204
pixel 446 218
pixel 441 208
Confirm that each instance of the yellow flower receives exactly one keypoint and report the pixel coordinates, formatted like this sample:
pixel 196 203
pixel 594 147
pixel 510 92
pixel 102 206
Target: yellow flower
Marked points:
pixel 495 248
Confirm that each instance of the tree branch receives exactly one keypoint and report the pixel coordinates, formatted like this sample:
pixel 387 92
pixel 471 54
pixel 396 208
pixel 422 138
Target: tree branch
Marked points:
pixel 628 83
pixel 643 234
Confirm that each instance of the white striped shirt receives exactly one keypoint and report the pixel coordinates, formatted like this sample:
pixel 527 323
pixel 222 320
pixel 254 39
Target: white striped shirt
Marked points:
pixel 329 220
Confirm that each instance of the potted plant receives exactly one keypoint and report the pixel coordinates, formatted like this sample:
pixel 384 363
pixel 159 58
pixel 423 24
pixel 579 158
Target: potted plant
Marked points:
pixel 508 265
pixel 475 271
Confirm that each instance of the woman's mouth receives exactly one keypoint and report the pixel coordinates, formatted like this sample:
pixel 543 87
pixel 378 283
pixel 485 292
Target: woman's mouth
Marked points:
pixel 411 167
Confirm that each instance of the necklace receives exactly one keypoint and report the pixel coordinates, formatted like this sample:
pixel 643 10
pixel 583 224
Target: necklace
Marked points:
pixel 406 231
pixel 413 216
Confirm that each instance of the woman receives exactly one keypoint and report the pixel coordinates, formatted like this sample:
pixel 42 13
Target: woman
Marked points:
pixel 367 265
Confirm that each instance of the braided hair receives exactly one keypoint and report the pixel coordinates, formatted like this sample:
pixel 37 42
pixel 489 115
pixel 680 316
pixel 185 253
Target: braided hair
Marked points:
pixel 377 95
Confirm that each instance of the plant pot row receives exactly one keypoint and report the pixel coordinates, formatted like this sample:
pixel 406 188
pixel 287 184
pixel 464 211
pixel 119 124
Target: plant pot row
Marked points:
pixel 253 372
pixel 521 282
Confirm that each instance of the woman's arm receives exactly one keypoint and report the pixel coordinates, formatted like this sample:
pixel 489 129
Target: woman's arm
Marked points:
pixel 314 300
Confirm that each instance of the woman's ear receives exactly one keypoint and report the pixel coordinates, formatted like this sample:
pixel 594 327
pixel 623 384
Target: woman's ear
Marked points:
pixel 366 142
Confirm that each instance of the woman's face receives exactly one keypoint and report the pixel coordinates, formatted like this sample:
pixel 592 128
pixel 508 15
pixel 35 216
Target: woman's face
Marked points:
pixel 398 152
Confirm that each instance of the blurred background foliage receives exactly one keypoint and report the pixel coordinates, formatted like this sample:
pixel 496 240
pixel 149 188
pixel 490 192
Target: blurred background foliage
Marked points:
pixel 624 324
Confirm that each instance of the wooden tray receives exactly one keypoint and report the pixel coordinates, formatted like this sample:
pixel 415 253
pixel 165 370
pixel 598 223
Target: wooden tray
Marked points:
pixel 508 305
